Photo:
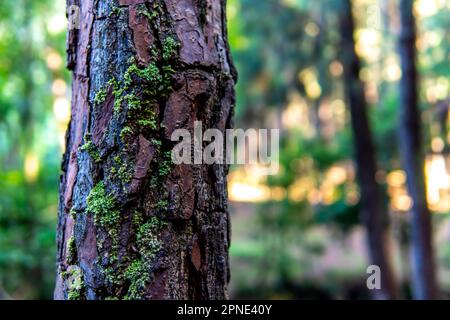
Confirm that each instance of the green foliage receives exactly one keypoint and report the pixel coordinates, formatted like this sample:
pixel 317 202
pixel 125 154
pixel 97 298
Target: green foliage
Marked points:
pixel 28 129
pixel 340 214
pixel 270 57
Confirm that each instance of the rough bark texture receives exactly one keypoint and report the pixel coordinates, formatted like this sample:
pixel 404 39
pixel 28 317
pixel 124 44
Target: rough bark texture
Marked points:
pixel 423 265
pixel 373 209
pixel 131 225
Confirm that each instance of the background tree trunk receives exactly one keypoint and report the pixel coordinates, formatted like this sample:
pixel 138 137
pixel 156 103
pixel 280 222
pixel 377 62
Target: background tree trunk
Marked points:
pixel 131 225
pixel 373 208
pixel 423 268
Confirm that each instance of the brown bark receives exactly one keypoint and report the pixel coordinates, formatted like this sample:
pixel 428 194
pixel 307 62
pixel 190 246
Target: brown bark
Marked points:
pixel 131 225
pixel 422 258
pixel 373 210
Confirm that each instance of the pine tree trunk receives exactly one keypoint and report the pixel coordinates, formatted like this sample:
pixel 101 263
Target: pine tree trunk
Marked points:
pixel 373 210
pixel 423 268
pixel 132 225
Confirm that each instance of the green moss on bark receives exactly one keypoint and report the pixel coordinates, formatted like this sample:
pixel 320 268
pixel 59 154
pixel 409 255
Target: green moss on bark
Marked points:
pixel 126 131
pixel 170 48
pixel 73 213
pixel 71 251
pixel 138 273
pixel 144 11
pixel 100 97
pixel 91 149
pixel 75 283
pixel 105 210
pixel 122 170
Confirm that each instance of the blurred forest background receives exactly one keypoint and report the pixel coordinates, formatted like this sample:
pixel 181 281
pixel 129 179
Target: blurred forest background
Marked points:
pixel 296 234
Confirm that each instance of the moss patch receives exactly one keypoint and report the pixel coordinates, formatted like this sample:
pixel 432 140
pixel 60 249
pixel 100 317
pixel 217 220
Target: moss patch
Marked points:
pixel 91 149
pixel 147 240
pixel 138 273
pixel 75 283
pixel 115 10
pixel 126 131
pixel 71 251
pixel 73 213
pixel 104 208
pixel 170 48
pixel 122 170
pixel 143 10
pixel 100 97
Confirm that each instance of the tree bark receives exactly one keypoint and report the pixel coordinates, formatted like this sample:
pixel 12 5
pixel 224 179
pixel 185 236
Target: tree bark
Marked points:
pixel 131 225
pixel 422 255
pixel 373 210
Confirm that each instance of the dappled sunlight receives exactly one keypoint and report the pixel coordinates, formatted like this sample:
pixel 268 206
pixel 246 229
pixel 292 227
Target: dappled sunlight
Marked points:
pixel 392 71
pixel 295 113
pixel 368 44
pixel 309 79
pixel 54 60
pixel 437 171
pixel 427 8
pixel 31 167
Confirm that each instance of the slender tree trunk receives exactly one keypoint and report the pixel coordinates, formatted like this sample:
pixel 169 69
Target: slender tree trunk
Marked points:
pixel 132 225
pixel 373 210
pixel 423 266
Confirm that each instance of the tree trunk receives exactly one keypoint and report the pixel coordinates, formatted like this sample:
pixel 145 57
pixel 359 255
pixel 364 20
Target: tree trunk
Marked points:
pixel 423 268
pixel 373 211
pixel 131 225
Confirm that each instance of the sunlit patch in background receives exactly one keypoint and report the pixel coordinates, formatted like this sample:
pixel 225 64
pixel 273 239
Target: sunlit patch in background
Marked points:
pixel 336 68
pixel 54 60
pixel 438 182
pixel 427 8
pixel 57 24
pixel 31 167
